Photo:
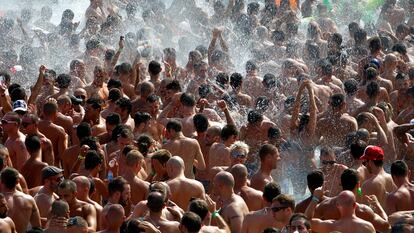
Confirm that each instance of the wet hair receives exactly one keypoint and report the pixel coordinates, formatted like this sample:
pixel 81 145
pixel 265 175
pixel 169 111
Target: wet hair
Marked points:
pixel 357 149
pixel 9 177
pixel 95 103
pixel 144 143
pixel 174 125
pixel 200 123
pixel 313 50
pixel 350 86
pixel 227 131
pixel 92 160
pixel 253 8
pixel 155 201
pixel 337 100
pixel 113 119
pixel 360 36
pixel 18 93
pixel 32 143
pixel 254 117
pixel 375 44
pixel 173 86
pixel 265 150
pixel 199 207
pixel 170 52
pixel 326 66
pixel 222 79
pixel 125 104
pixel 191 221
pixel 349 179
pixel 6 76
pixel 141 117
pixel 236 80
pixel 371 73
pixel 262 103
pixel 92 44
pixel 285 200
pixel 315 179
pixel 112 83
pixel 154 67
pixel 400 48
pixel 204 90
pixel 271 190
pixel 399 169
pixel 89 141
pixel 269 80
pixel 68 185
pixel 301 217
pixel 161 156
pixel 273 133
pixel 114 94
pixel 116 185
pixel 336 38
pixel 373 89
pixel 187 100
pixel 353 27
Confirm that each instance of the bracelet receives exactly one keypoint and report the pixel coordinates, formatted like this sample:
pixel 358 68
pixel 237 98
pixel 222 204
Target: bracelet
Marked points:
pixel 315 199
pixel 80 157
pixel 215 214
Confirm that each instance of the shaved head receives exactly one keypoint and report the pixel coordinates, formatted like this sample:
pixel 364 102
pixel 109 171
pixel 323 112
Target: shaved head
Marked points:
pixel 239 172
pixel 346 199
pixel 82 182
pixel 175 166
pixel 224 178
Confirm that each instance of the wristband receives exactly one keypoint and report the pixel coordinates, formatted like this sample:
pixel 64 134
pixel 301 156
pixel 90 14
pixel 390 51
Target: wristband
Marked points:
pixel 80 157
pixel 315 199
pixel 215 214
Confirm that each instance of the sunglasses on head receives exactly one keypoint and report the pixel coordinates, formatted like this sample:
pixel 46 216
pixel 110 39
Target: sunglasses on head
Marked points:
pixel 328 162
pixel 278 208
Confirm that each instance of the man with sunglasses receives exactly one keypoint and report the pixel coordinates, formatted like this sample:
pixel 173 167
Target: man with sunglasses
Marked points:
pixel 283 207
pixel 380 183
pixel 331 171
pixel 15 140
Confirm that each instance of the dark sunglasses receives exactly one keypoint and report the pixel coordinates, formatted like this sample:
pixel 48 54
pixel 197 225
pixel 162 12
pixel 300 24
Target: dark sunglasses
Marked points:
pixel 328 162
pixel 238 155
pixel 80 97
pixel 278 208
pixel 5 122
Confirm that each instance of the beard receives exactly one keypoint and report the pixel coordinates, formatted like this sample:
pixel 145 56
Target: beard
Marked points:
pixel 124 202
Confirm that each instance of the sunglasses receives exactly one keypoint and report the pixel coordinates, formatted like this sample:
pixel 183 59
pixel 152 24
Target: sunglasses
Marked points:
pixel 328 162
pixel 5 122
pixel 238 155
pixel 278 208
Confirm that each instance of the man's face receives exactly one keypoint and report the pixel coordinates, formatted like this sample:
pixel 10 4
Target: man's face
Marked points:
pixel 123 142
pixel 154 108
pixel 121 112
pixel 157 166
pixel 3 208
pixel 402 84
pixel 90 112
pixel 125 198
pixel 80 70
pixel 99 77
pixel 275 159
pixel 8 126
pixel 298 226
pixel 238 157
pixel 66 195
pixel 27 125
pixel 54 181
pixel 278 211
pixel 210 139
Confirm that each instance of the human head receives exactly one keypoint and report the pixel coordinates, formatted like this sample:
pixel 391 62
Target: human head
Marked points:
pixel 175 166
pixel 51 177
pixel 154 68
pixel 254 117
pixel 93 108
pixel 269 156
pixel 270 191
pixel 159 161
pixel 337 102
pixel 223 183
pixel 315 180
pixel 346 202
pixel 11 123
pixel 283 207
pixel 9 178
pixel 349 179
pixel 399 172
pixel 77 225
pixel 83 186
pixel 93 160
pixel 60 209
pixel 374 44
pixel 173 127
pixel 351 87
pixel 190 223
pixel 299 223
pixel 373 158
pixel 67 191
pixel 33 144
pixel 115 216
pixel 239 172
pixel 123 107
pixel 238 152
pixel 156 202
pixel 236 81
pixel 3 207
pixel 357 149
pixel 327 156
pixel 119 191
pixel 229 134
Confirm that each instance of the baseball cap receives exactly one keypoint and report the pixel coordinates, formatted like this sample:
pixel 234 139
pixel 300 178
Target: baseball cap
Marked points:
pixel 74 100
pixel 19 105
pixel 373 153
pixel 50 171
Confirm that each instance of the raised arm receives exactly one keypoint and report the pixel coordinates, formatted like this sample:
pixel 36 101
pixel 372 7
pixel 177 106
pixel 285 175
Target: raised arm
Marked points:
pixel 212 46
pixel 311 126
pixel 223 106
pixel 38 85
pixel 121 45
pixel 296 108
pixel 318 225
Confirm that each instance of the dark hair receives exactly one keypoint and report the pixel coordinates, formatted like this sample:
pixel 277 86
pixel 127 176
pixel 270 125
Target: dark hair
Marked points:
pixel 300 216
pixel 18 93
pixel 349 179
pixel 125 104
pixel 254 117
pixel 227 131
pixel 152 98
pixel 278 35
pixel 89 141
pixel 315 179
pixel 378 163
pixel 116 185
pixel 187 100
pixel 63 80
pixel 6 76
pixel 262 103
pixel 371 73
pixel 267 149
pixel 273 133
pixel 337 38
pixel 350 86
pixel 271 190
pixel 325 66
pixel 271 230
pixel 236 80
pixel 161 156
pixel 92 160
pixel 144 143
pixel 83 130
pixel 141 117
pixel 155 201
pixel 199 206
pixel 32 143
pixel 173 86
pixel 191 221
pixel 92 44
pixel 375 44
pixel 337 100
pixel 204 90
pixel 49 108
pixel 9 177
pixel 373 89
pixel 114 94
pixel 400 48
pixel 200 123
pixel 399 168
pixel 251 65
pixel 125 68
pixel 174 125
pixel 113 83
pixel 360 36
pixel 154 67
pixel 222 79
pixel 113 119
pixel 357 149
pixel 95 103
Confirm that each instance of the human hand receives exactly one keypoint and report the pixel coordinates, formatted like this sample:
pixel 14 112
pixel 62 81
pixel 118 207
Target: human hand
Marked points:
pixel 318 192
pixel 210 203
pixel 121 43
pixel 379 114
pixel 222 105
pixel 84 149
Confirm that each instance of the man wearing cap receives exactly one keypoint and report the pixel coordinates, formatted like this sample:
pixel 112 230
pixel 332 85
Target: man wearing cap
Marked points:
pixel 51 177
pixel 380 183
pixel 15 140
pixel 20 107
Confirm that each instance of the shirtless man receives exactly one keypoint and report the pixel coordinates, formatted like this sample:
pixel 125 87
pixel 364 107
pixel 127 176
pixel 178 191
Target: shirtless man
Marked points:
pixel 156 204
pixel 182 188
pixel 253 84
pixel 139 188
pixel 233 207
pixel 250 195
pixel 115 218
pixel 139 104
pixel 123 108
pixel 67 191
pixel 98 88
pixel 335 126
pixel 83 185
pixel 331 170
pixel 219 154
pixel 201 208
pixel 155 128
pixel 56 134
pixel 15 140
pixel 269 156
pixel 63 119
pixel 59 216
pixel 257 221
pixel 23 208
pixel 95 10
pixel 32 168
pixel 346 203
pixel 29 126
pixel 6 223
pixel 92 116
pixel 315 180
pixel 371 75
pixel 282 209
pixel 380 183
pixel 186 148
pixel 402 198
pixel 236 83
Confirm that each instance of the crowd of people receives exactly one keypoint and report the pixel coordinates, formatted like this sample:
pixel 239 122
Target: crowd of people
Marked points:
pixel 208 116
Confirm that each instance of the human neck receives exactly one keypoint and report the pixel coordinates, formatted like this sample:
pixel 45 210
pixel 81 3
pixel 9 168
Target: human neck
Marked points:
pixel 377 170
pixel 265 169
pixel 155 216
pixel 227 195
pixel 36 156
pixel 155 77
pixel 113 200
pixel 178 135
